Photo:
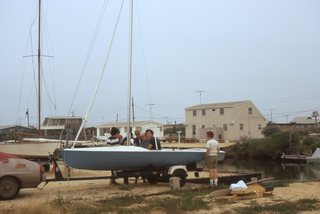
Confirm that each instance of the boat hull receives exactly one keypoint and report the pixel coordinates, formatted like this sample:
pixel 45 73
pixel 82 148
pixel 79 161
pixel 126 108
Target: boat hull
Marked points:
pixel 129 158
pixel 30 150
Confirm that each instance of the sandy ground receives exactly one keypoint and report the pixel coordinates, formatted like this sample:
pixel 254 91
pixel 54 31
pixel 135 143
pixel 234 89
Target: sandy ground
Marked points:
pixel 95 190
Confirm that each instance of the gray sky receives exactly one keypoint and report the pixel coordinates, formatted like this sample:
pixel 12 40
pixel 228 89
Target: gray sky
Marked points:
pixel 266 51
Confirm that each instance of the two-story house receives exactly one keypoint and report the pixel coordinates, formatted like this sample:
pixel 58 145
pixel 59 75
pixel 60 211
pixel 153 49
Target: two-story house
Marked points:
pixel 230 121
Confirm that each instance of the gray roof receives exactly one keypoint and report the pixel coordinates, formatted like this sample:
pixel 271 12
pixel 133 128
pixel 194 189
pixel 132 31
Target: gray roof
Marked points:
pixel 303 120
pixel 63 117
pixel 216 105
pixel 12 126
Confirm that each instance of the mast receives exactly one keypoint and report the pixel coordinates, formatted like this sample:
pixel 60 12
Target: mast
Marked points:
pixel 39 65
pixel 130 69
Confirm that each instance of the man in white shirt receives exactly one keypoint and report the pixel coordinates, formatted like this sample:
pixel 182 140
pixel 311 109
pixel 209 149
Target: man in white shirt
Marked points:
pixel 212 158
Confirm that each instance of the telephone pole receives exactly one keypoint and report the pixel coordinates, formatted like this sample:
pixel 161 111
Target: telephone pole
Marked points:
pixel 270 115
pixel 27 113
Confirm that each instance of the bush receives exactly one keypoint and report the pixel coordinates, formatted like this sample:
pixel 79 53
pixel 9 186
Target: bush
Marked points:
pixel 270 130
pixel 274 145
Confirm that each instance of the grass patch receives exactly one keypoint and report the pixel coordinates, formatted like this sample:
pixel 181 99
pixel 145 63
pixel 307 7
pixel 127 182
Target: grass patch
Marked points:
pixel 170 202
pixel 181 204
pixel 195 192
pixel 284 207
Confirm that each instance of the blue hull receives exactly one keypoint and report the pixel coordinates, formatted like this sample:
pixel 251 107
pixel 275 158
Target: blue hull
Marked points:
pixel 130 158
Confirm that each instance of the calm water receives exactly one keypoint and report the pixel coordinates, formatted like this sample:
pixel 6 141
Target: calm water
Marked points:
pixel 271 168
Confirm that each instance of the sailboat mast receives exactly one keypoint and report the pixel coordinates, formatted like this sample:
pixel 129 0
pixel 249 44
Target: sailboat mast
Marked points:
pixel 39 65
pixel 130 69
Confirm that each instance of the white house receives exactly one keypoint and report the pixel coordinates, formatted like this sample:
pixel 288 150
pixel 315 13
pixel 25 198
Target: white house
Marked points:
pixel 103 131
pixel 230 121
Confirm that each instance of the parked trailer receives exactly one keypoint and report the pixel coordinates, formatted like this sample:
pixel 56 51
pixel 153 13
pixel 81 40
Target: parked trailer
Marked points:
pixel 152 175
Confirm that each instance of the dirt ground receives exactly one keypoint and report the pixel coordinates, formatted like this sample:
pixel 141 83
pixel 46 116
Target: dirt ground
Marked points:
pixel 96 190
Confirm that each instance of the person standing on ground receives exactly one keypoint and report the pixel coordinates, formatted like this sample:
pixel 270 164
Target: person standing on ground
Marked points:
pixel 211 157
pixel 137 140
pixel 154 143
pixel 113 140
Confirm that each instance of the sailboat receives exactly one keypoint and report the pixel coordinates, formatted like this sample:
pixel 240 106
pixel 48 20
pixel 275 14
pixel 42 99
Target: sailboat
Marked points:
pixel 128 157
pixel 33 148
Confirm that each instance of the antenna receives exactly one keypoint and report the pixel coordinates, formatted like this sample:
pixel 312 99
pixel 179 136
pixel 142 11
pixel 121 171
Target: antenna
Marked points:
pixel 150 106
pixel 200 92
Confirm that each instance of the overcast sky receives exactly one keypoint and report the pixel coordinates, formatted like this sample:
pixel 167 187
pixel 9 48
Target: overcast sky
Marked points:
pixel 265 51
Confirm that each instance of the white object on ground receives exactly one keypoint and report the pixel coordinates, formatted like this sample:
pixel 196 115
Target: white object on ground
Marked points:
pixel 238 186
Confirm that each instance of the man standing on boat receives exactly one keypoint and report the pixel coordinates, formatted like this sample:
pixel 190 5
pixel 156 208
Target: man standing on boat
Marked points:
pixel 212 158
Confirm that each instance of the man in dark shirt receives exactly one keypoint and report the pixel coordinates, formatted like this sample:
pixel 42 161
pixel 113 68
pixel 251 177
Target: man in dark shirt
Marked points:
pixel 137 140
pixel 154 143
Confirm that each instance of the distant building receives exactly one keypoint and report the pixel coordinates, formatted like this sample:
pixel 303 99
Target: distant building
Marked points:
pixel 7 131
pixel 61 127
pixel 230 121
pixel 301 124
pixel 103 131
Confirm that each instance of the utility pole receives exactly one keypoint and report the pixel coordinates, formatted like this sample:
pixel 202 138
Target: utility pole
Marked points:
pixel 315 114
pixel 27 113
pixel 270 115
pixel 200 92
pixel 150 107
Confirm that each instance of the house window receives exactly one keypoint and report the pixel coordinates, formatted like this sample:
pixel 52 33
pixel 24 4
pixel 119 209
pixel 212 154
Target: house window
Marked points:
pixel 259 127
pixel 221 111
pixel 241 126
pixel 203 112
pixel 213 109
pixel 193 130
pixel 250 110
pixel 225 127
pixel 194 113
pixel 203 126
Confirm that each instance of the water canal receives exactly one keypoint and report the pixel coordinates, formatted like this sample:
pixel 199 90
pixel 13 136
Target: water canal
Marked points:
pixel 272 168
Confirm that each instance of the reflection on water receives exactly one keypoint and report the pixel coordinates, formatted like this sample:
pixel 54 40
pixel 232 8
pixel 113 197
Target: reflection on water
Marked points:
pixel 272 168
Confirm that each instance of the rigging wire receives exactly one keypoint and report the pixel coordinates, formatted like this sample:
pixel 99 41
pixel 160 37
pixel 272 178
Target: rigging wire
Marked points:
pixel 143 53
pixel 101 76
pixel 50 62
pixel 45 86
pixel 105 4
pixel 23 63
